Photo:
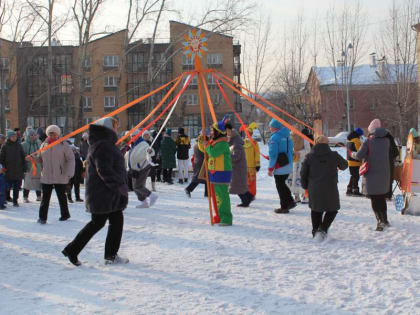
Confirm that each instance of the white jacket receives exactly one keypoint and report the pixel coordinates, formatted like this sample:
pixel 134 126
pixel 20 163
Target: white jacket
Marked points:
pixel 138 156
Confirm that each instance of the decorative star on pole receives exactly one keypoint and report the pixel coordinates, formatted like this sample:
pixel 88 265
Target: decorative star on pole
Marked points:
pixel 195 44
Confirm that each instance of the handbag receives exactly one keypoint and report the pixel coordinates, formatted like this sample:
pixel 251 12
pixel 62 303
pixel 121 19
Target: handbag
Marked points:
pixel 364 168
pixel 283 158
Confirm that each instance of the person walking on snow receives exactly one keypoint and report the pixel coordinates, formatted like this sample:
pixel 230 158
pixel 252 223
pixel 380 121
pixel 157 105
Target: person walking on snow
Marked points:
pixel 152 174
pixel 197 162
pixel 138 165
pixel 220 169
pixel 375 151
pixel 57 169
pixel 319 176
pixel 84 146
pixel 182 153
pixel 300 149
pixel 32 182
pixel 168 150
pixel 77 179
pixel 280 150
pixel 239 183
pixel 353 145
pixel 252 153
pixel 12 158
pixel 106 192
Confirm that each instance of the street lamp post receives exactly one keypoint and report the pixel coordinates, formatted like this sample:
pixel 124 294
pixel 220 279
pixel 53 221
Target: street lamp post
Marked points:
pixel 345 65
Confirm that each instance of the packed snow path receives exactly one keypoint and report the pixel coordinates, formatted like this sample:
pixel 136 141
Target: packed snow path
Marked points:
pixel 266 263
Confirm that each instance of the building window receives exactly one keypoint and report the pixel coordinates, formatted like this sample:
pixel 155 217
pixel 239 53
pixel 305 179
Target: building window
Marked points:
pixel 4 63
pixel 110 101
pixel 191 122
pixel 210 79
pixel 191 99
pixel 214 59
pixel 110 61
pixel 187 61
pixel 216 99
pixel 87 62
pixel 8 124
pixel 87 82
pixel 3 85
pixel 194 81
pixel 87 102
pixel 110 81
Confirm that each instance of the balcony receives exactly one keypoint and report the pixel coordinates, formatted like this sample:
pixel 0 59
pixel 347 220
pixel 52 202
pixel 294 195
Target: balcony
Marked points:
pixel 237 69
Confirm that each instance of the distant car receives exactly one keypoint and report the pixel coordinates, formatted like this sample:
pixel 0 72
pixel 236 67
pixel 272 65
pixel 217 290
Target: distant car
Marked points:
pixel 339 139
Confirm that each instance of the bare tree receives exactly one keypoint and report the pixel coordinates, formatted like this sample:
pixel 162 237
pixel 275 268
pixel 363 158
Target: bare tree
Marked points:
pixel 344 44
pixel 19 25
pixel 397 68
pixel 45 10
pixel 258 66
pixel 293 70
pixel 84 13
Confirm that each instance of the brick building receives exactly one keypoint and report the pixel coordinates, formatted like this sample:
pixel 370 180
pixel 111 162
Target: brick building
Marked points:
pixel 371 96
pixel 114 73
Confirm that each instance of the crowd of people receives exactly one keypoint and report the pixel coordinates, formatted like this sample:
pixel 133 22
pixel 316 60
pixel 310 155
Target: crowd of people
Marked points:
pixel 303 171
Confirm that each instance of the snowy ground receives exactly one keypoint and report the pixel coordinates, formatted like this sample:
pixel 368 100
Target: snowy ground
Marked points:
pixel 265 264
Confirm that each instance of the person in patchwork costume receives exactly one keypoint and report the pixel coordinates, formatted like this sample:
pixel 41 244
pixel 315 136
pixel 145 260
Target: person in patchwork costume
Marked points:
pixel 220 169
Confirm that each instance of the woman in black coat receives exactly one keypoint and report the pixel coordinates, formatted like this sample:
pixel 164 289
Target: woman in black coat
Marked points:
pixel 77 179
pixel 319 176
pixel 106 192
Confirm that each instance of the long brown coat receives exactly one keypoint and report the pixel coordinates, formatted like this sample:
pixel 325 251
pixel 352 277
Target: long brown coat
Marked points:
pixel 239 183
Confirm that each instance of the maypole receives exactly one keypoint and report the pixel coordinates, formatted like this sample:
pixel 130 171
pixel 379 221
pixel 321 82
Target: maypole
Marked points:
pixel 195 44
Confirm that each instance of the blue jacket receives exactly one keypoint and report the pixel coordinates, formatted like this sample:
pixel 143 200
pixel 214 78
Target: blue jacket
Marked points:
pixel 280 141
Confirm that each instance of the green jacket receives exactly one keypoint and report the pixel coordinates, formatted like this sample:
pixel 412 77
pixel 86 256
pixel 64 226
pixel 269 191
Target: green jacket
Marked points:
pixel 31 147
pixel 220 161
pixel 168 151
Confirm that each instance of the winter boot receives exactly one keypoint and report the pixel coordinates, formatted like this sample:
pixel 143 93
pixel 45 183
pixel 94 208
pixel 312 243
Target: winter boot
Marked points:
pixel 281 210
pixel 180 181
pixel 320 235
pixel 187 192
pixel 64 218
pixel 153 186
pixel 357 193
pixel 72 258
pixel 15 204
pixel 70 199
pixel 116 260
pixel 40 221
pixel 245 201
pixel 385 218
pixel 25 200
pixel 380 226
pixel 349 192
pixel 185 180
pixel 153 198
pixel 143 204
pixel 39 198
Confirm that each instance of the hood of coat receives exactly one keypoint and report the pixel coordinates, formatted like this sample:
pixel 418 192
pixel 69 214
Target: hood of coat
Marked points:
pixel 235 138
pixel 321 149
pixel 283 132
pixel 380 132
pixel 352 135
pixel 99 133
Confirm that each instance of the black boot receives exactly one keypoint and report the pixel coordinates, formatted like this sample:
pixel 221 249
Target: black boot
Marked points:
pixel 72 258
pixel 357 193
pixel 245 201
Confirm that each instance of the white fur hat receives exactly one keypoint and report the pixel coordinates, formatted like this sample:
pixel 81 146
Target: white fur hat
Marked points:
pixel 53 128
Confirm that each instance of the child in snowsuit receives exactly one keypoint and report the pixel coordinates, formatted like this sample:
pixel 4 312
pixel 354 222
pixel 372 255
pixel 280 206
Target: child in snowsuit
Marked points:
pixel 220 170
pixel 353 145
pixel 319 176
pixel 252 152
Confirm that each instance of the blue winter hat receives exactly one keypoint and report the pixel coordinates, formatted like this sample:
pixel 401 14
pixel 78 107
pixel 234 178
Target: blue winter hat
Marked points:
pixel 168 132
pixel 275 124
pixel 359 131
pixel 221 125
pixel 11 133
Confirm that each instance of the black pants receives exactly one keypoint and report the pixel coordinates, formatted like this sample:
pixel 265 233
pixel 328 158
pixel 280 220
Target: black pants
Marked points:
pixel 15 186
pixel 284 192
pixel 113 238
pixel 193 185
pixel 391 181
pixel 76 184
pixel 321 221
pixel 167 175
pixel 354 179
pixel 26 193
pixel 60 190
pixel 139 183
pixel 379 207
pixel 152 174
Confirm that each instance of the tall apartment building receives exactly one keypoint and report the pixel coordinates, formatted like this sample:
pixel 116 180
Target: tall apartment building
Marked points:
pixel 112 74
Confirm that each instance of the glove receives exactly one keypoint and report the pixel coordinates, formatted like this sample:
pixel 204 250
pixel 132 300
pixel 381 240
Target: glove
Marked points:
pixel 124 191
pixel 258 169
